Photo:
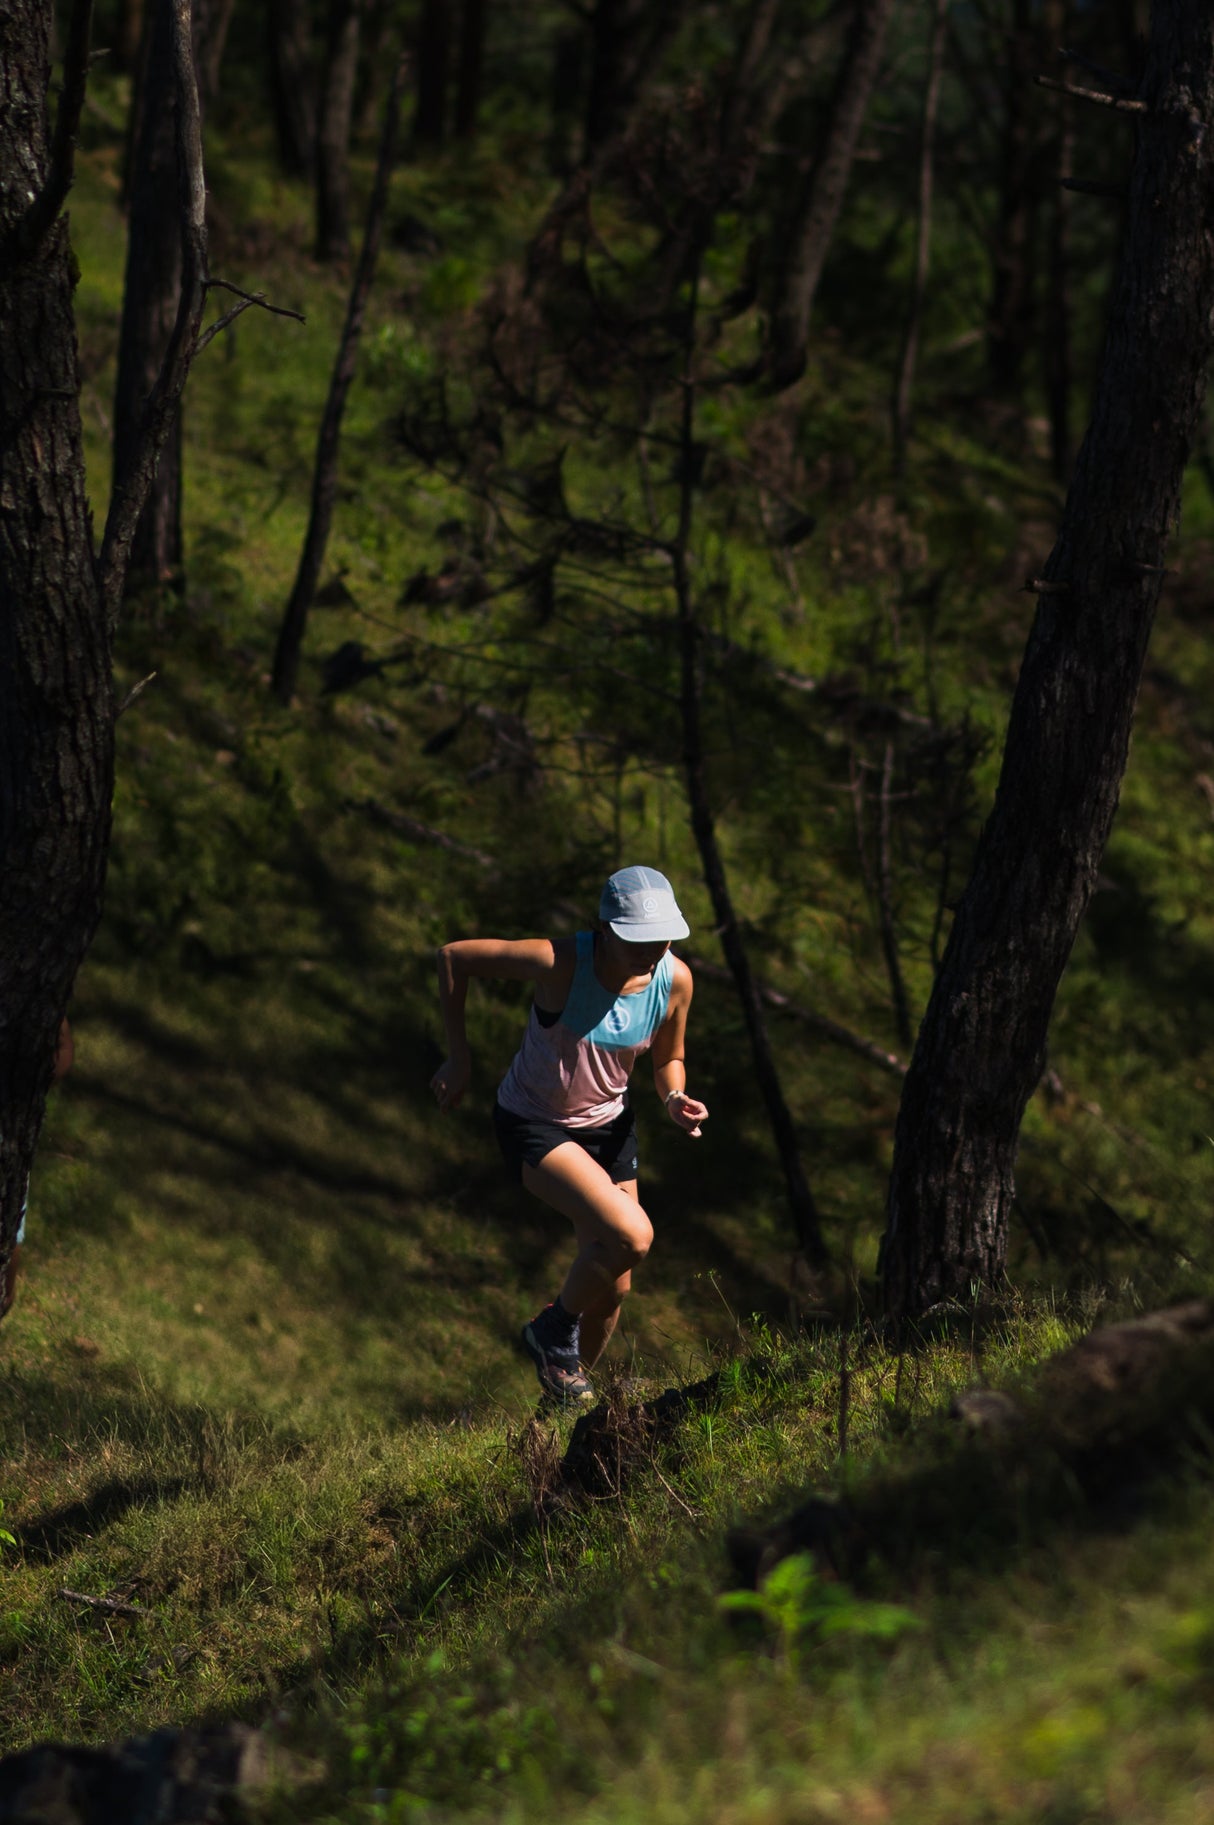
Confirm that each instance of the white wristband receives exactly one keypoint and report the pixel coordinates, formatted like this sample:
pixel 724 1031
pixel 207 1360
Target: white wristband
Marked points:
pixel 671 1094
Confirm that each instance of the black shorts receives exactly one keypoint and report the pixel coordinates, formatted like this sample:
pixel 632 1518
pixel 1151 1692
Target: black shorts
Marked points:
pixel 525 1143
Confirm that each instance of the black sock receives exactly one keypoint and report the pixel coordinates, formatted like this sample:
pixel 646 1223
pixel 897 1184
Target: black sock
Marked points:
pixel 564 1320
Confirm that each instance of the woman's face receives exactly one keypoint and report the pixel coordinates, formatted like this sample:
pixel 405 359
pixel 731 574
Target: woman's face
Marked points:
pixel 637 959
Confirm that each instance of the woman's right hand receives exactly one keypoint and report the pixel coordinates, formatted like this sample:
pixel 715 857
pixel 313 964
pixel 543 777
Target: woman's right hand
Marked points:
pixel 450 1082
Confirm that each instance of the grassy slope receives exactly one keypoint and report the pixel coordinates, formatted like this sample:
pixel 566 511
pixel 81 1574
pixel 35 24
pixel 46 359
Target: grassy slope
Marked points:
pixel 260 1378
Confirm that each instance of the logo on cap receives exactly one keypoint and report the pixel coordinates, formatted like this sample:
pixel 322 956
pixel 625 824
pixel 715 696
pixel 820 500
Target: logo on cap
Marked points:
pixel 649 906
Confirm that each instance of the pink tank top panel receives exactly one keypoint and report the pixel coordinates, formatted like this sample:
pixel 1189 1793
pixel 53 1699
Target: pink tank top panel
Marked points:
pixel 573 1068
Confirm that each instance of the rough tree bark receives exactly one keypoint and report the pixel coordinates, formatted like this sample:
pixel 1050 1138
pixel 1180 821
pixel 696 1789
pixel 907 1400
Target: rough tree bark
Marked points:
pixel 151 290
pixel 57 599
pixel 324 478
pixel 56 725
pixel 981 1047
pixel 822 196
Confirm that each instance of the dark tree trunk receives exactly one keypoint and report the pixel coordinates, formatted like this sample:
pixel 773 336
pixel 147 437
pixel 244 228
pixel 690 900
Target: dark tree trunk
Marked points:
pixel 56 717
pixel 626 39
pixel 333 137
pixel 128 35
pixel 470 73
pixel 324 479
pixel 149 305
pixel 568 78
pixel 904 385
pixel 822 197
pixel 982 1044
pixel 1012 332
pixel 292 86
pixel 378 35
pixel 1057 362
pixel 210 45
pixel 433 71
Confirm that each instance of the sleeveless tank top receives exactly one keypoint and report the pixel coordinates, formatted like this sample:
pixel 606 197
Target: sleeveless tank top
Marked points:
pixel 575 1070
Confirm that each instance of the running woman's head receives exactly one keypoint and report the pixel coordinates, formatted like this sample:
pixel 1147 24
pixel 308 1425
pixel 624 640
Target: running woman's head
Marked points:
pixel 639 909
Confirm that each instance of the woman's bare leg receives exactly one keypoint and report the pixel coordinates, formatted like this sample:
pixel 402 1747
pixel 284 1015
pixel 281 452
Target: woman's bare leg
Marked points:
pixel 612 1231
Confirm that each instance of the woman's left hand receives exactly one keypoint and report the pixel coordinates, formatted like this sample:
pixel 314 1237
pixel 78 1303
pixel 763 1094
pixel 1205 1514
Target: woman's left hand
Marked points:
pixel 687 1113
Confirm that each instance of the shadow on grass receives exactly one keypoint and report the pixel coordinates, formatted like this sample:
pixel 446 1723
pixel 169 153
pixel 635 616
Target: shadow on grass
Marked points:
pixel 57 1534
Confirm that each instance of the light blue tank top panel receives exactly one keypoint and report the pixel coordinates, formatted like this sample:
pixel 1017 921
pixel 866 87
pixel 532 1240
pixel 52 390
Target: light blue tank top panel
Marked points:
pixel 576 1071
pixel 620 1023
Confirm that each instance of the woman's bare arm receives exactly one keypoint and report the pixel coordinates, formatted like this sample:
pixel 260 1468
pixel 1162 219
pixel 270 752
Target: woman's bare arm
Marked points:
pixel 536 960
pixel 669 1070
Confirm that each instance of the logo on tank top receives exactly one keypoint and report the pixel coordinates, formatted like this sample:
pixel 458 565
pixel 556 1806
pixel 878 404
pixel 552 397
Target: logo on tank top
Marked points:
pixel 616 1020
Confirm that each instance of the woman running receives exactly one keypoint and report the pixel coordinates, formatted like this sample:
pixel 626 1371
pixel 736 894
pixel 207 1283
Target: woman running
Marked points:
pixel 562 1116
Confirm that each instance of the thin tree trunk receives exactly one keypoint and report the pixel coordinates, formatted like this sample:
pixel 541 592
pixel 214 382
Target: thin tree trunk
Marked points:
pixel 211 49
pixel 909 358
pixel 324 481
pixel 433 69
pixel 982 1044
pixel 568 77
pixel 151 291
pixel 1011 308
pixel 128 35
pixel 806 1224
pixel 333 135
pixel 822 198
pixel 1057 361
pixel 626 39
pixel 292 86
pixel 885 902
pixel 470 73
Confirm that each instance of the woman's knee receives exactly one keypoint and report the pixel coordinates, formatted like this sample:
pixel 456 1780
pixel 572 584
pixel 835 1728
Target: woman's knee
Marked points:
pixel 633 1237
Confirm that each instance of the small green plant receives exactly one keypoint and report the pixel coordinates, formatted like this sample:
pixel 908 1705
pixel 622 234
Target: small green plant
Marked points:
pixel 6 1538
pixel 799 1602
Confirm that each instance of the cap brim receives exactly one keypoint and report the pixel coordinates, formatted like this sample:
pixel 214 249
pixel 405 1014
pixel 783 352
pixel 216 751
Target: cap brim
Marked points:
pixel 650 931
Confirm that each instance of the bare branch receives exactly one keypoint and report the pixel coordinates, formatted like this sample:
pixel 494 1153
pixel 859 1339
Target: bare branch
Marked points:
pixel 1121 104
pixel 247 301
pixel 135 691
pixel 416 832
pixel 112 1606
pixel 819 1023
pixel 1093 187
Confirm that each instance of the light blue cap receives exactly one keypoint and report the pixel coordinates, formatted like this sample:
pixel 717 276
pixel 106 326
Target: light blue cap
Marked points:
pixel 638 905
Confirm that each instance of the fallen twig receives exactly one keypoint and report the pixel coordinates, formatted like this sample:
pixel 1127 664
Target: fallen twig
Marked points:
pixel 113 1606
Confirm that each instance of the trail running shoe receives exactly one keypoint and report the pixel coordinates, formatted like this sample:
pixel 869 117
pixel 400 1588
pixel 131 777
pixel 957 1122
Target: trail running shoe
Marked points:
pixel 556 1362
